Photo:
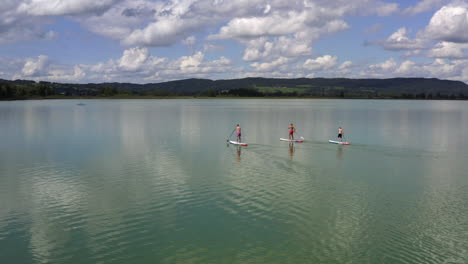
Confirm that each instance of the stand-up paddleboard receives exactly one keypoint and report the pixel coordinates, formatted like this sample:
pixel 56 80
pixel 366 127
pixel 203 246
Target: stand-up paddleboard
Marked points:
pixel 237 143
pixel 338 142
pixel 292 140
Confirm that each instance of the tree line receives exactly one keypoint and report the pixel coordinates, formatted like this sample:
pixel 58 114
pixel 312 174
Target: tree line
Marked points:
pixel 396 88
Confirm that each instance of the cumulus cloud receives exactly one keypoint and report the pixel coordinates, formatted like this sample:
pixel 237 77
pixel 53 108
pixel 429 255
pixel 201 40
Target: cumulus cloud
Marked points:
pixel 320 63
pixel 190 41
pixel 269 66
pixel 162 33
pixel 35 67
pixel 121 20
pixel 10 66
pixel 133 59
pixel 382 69
pixel 266 49
pixel 66 75
pixel 400 41
pixel 191 62
pixel 346 65
pixel 212 47
pixel 277 37
pixel 411 53
pixel 438 68
pixel 441 67
pixel 160 69
pixel 424 6
pixel 449 50
pixel 20 27
pixel 450 23
pixel 164 23
pixel 406 68
pixel 65 7
pixel 305 21
pixel 263 26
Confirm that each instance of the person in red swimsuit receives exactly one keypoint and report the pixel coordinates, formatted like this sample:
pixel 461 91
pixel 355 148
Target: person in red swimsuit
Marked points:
pixel 292 130
pixel 239 133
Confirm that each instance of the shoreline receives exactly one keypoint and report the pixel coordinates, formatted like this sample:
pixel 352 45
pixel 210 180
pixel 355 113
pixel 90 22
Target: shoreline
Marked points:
pixel 216 97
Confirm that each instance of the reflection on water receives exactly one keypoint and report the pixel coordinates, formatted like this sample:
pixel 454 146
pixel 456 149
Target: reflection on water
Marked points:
pixel 339 152
pixel 238 151
pixel 150 181
pixel 291 150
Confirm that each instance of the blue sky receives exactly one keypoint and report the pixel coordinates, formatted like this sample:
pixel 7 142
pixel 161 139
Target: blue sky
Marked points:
pixel 145 41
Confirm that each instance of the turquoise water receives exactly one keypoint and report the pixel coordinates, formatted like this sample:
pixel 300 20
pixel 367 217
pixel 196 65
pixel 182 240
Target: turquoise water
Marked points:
pixel 153 181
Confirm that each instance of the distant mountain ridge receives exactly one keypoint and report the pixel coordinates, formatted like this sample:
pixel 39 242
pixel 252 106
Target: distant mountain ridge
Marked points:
pixel 423 88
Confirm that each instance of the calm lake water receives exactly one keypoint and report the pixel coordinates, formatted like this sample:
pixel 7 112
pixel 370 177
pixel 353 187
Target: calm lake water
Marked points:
pixel 153 181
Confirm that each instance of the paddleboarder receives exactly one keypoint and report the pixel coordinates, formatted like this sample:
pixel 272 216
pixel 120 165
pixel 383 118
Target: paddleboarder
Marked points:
pixel 238 133
pixel 292 130
pixel 340 134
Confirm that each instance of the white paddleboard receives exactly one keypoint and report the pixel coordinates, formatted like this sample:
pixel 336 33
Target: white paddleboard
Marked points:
pixel 237 143
pixel 292 140
pixel 338 142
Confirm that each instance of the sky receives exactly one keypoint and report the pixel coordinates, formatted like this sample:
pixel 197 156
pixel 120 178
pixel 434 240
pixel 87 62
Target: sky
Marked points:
pixel 146 41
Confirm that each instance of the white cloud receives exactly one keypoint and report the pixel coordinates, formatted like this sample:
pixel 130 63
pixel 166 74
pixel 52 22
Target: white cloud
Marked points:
pixel 10 67
pixel 188 63
pixel 383 69
pixel 212 47
pixel 64 7
pixel 277 37
pixel 406 67
pixel 464 74
pixel 263 26
pixel 450 23
pixel 385 66
pixel 122 19
pixel 163 32
pixel 411 53
pixel 16 27
pixel 442 68
pixel 320 63
pixel 190 41
pixel 386 9
pixel 35 67
pixel 265 49
pixel 267 9
pixel 133 58
pixel 449 50
pixel 439 68
pixel 346 65
pixel 269 66
pixel 317 20
pixel 66 75
pixel 163 23
pixel 163 69
pixel 424 6
pixel 400 41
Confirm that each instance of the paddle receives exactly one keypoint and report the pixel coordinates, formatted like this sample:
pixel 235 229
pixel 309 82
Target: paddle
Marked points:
pixel 227 140
pixel 301 137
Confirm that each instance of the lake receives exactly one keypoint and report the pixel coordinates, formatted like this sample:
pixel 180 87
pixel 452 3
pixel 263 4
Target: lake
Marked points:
pixel 154 181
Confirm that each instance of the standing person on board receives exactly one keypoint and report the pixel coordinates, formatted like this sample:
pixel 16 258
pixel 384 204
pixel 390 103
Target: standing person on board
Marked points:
pixel 292 130
pixel 238 133
pixel 340 134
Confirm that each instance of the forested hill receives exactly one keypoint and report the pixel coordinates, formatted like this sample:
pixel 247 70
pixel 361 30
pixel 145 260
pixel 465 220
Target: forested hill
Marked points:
pixel 421 88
